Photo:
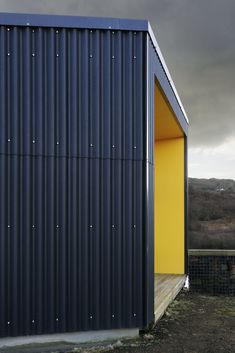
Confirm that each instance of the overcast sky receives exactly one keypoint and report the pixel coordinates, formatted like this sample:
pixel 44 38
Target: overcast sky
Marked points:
pixel 197 39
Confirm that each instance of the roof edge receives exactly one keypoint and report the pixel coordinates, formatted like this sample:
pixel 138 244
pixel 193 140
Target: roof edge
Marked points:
pixel 68 21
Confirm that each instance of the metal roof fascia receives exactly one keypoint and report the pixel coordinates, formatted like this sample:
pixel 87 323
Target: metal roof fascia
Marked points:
pixel 20 19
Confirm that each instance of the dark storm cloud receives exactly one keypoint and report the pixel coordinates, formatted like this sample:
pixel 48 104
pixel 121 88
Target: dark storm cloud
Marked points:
pixel 197 39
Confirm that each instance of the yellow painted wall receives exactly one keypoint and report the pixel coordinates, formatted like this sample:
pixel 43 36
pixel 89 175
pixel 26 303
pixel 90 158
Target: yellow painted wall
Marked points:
pixel 169 206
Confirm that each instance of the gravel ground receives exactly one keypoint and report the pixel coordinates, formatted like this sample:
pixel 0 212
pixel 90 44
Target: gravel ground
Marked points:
pixel 192 324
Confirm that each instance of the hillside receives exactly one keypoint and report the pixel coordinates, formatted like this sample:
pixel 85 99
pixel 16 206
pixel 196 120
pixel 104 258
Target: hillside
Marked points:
pixel 212 213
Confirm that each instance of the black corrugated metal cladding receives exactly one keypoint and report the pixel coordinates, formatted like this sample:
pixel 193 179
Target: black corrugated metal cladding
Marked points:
pixel 71 179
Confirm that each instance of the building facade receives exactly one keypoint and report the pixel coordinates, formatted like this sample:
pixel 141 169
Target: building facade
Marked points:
pixel 93 174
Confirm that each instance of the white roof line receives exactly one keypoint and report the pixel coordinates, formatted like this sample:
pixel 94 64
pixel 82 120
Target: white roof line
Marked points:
pixel 159 53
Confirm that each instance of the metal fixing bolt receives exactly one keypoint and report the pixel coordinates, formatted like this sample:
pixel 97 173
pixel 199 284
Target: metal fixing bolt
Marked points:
pixel 135 147
pixel 8 140
pixel 91 317
pixel 33 321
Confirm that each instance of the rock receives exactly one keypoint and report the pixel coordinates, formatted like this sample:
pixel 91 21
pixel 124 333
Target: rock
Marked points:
pixel 148 336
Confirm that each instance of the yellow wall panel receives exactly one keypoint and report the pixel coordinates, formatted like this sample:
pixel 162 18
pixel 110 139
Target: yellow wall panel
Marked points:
pixel 169 206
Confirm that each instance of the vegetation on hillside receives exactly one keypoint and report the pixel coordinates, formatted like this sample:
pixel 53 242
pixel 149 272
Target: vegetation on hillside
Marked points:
pixel 212 213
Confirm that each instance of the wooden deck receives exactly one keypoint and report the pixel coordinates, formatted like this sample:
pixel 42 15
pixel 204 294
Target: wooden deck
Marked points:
pixel 166 288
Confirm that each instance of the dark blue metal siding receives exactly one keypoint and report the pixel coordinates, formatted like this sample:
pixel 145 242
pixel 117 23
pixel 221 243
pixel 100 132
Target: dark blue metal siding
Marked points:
pixel 149 244
pixel 72 93
pixel 149 188
pixel 72 174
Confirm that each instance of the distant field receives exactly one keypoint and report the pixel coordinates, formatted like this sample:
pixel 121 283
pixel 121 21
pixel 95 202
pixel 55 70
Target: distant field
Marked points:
pixel 211 213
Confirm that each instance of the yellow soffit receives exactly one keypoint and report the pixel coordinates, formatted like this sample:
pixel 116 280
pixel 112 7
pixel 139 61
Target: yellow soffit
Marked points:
pixel 166 125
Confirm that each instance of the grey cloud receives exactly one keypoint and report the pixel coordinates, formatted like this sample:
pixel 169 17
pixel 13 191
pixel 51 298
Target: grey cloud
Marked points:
pixel 197 39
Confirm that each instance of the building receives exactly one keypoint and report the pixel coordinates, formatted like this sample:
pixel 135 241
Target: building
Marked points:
pixel 93 174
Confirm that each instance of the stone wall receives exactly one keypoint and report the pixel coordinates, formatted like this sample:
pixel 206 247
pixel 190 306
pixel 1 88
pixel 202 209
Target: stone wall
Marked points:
pixel 212 271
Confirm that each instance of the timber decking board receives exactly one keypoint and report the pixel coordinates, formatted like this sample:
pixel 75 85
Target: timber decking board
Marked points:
pixel 166 288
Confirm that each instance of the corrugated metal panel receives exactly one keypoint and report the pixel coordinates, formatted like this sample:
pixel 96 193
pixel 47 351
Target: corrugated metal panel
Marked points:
pixel 71 93
pixel 36 20
pixel 149 245
pixel 71 244
pixel 72 173
pixel 149 191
